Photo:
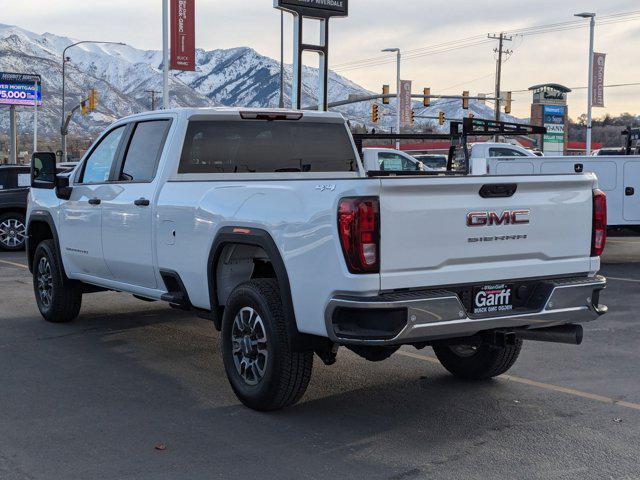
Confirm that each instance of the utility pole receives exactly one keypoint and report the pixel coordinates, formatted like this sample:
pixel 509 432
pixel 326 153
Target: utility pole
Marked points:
pixel 501 38
pixel 153 98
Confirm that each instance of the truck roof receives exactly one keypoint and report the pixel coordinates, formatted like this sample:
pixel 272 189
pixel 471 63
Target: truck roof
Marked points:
pixel 227 111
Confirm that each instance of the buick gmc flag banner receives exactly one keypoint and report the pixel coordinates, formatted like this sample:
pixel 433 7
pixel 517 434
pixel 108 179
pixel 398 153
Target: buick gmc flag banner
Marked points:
pixel 183 35
pixel 598 79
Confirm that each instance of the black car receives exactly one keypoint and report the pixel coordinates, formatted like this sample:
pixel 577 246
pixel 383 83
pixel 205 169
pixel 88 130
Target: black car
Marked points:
pixel 14 188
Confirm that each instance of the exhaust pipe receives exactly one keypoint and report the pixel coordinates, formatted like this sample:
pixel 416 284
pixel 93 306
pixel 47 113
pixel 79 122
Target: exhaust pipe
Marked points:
pixel 570 333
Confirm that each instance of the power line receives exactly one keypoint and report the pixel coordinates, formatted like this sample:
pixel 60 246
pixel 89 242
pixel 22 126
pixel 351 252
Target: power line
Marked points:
pixel 476 40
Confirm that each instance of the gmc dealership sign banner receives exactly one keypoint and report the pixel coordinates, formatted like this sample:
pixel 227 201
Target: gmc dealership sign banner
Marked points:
pixel 20 89
pixel 598 79
pixel 315 8
pixel 183 35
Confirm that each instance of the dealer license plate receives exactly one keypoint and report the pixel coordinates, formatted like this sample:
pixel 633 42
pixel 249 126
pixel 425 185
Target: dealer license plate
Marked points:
pixel 494 298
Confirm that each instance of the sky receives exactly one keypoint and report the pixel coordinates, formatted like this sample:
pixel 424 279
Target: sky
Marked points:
pixel 414 26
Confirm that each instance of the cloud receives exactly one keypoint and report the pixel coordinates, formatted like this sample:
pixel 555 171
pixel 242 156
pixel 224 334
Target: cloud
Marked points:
pixel 374 24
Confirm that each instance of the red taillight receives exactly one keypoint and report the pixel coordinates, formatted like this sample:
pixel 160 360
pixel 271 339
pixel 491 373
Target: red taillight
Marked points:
pixel 359 229
pixel 599 238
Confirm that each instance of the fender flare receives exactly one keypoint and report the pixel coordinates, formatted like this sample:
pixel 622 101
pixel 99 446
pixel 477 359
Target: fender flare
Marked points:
pixel 259 238
pixel 43 216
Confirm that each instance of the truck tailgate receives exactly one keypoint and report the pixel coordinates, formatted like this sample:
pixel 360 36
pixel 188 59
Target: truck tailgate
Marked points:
pixel 426 240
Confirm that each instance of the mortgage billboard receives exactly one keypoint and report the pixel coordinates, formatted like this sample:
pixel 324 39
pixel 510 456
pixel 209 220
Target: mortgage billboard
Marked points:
pixel 20 89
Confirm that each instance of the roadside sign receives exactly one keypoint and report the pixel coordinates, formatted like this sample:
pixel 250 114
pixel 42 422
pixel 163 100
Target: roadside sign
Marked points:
pixel 20 89
pixel 183 35
pixel 553 140
pixel 315 8
pixel 405 103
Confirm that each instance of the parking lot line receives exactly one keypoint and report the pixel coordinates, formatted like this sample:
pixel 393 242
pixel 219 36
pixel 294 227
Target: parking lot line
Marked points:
pixel 633 280
pixel 545 386
pixel 13 264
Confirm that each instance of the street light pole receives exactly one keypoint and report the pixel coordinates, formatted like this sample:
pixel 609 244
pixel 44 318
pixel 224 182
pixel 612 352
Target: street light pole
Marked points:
pixel 398 81
pixel 281 103
pixel 65 59
pixel 592 24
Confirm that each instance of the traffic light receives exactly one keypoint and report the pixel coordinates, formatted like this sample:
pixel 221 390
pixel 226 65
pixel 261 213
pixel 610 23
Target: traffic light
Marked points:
pixel 93 99
pixel 507 104
pixel 465 99
pixel 426 101
pixel 83 108
pixel 413 117
pixel 441 118
pixel 385 91
pixel 375 116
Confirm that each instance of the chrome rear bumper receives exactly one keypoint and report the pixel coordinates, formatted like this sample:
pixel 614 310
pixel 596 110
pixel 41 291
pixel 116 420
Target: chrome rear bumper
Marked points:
pixel 413 317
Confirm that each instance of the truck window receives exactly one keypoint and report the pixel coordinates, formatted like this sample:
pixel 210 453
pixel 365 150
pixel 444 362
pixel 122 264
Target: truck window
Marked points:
pixel 505 152
pixel 395 162
pixel 98 166
pixel 144 150
pixel 259 147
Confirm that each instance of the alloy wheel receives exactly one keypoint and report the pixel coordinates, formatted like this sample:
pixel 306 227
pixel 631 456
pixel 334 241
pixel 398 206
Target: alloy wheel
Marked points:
pixel 12 233
pixel 249 346
pixel 45 282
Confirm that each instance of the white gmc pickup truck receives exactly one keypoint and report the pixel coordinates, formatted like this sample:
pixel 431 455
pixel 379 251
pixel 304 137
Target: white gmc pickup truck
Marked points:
pixel 266 223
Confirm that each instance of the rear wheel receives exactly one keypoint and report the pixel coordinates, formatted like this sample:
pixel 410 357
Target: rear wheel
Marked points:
pixel 58 299
pixel 477 360
pixel 263 370
pixel 13 231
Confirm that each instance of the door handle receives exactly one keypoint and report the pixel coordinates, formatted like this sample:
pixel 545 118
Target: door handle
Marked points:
pixel 94 201
pixel 141 202
pixel 629 191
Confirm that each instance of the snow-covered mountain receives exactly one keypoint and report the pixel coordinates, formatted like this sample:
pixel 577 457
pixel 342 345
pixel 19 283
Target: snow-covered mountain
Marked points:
pixel 124 77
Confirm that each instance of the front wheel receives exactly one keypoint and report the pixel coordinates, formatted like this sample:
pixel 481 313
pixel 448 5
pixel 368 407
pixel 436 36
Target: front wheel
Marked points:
pixel 477 360
pixel 58 299
pixel 263 370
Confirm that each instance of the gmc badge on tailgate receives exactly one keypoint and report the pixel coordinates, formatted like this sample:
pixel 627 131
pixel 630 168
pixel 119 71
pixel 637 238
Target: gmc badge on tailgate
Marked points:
pixel 508 217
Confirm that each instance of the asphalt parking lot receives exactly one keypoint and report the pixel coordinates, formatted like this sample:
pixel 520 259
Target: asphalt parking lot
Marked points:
pixel 93 399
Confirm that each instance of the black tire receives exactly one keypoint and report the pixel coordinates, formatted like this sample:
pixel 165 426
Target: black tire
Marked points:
pixel 13 231
pixel 273 376
pixel 64 298
pixel 478 361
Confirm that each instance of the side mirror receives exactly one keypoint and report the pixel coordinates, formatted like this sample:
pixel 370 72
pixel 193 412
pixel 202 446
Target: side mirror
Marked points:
pixel 43 170
pixel 63 190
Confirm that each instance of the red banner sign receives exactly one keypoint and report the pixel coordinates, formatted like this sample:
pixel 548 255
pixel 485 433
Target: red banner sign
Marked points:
pixel 405 103
pixel 598 79
pixel 183 35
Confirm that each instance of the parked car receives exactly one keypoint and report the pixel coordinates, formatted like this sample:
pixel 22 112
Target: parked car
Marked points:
pixel 14 188
pixel 266 223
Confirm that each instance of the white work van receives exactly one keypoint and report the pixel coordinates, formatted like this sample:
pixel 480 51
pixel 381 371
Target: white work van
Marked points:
pixel 618 176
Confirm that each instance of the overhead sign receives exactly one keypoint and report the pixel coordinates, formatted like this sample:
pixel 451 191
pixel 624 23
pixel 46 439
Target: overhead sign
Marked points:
pixel 183 35
pixel 598 79
pixel 20 89
pixel 405 103
pixel 315 8
pixel 554 120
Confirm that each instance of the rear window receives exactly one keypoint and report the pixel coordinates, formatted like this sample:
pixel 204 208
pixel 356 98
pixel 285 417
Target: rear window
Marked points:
pixel 261 146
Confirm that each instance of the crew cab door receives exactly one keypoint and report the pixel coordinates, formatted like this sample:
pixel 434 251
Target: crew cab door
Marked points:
pixel 81 216
pixel 127 218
